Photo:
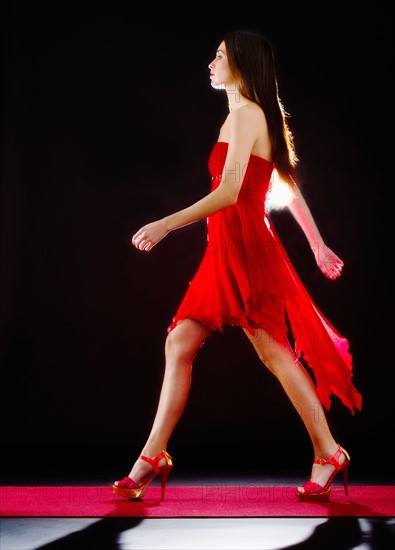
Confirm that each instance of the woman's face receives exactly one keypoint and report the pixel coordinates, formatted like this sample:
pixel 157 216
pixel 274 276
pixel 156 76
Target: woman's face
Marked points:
pixel 220 74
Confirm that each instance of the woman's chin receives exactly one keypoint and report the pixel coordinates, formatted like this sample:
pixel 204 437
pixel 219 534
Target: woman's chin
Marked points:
pixel 217 86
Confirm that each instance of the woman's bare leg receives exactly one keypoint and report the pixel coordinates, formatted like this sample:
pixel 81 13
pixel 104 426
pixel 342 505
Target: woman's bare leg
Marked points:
pixel 298 385
pixel 182 345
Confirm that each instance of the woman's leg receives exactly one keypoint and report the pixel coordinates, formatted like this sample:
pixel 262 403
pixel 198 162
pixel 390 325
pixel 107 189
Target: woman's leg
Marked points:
pixel 182 344
pixel 298 385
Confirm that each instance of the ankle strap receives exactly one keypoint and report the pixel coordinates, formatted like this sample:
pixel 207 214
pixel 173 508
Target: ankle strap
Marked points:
pixel 334 460
pixel 154 461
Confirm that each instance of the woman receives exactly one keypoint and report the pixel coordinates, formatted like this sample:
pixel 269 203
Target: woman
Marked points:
pixel 246 278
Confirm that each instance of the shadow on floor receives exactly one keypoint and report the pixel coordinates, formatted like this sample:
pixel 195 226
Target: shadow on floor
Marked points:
pixel 340 533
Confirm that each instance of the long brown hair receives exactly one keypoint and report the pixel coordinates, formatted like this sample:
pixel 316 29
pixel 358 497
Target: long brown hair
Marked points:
pixel 251 60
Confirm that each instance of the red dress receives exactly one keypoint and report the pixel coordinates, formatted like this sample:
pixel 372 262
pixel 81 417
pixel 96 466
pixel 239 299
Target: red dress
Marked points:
pixel 246 279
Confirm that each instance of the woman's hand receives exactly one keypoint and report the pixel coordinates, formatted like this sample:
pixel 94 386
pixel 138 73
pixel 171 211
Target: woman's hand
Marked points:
pixel 149 235
pixel 329 262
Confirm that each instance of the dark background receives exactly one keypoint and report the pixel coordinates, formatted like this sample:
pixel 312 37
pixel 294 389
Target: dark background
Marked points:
pixel 108 119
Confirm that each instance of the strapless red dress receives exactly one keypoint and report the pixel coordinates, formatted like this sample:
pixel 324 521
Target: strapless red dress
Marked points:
pixel 246 279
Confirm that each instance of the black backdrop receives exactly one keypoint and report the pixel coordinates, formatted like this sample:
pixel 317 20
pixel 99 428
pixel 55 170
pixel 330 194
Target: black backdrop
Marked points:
pixel 108 120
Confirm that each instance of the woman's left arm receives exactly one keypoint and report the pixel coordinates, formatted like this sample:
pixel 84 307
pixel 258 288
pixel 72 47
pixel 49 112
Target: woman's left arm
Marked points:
pixel 327 260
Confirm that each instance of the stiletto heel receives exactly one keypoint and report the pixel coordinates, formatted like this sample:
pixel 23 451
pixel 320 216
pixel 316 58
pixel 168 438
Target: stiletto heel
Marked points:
pixel 164 474
pixel 314 492
pixel 132 490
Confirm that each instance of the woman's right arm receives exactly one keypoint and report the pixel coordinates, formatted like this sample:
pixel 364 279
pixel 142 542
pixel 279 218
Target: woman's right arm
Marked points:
pixel 327 260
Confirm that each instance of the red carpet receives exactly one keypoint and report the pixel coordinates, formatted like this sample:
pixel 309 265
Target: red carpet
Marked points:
pixel 220 501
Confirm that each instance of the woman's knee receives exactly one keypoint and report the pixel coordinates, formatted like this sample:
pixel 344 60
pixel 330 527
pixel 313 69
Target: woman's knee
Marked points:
pixel 185 339
pixel 271 352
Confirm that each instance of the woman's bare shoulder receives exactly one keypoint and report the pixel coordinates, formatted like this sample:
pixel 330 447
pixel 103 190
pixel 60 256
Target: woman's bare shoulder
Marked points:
pixel 250 122
pixel 251 118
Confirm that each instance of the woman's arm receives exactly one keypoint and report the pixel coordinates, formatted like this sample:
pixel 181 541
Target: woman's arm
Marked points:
pixel 241 141
pixel 329 263
pixel 149 235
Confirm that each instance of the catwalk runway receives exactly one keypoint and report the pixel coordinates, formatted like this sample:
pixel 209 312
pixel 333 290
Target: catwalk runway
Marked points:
pixel 189 533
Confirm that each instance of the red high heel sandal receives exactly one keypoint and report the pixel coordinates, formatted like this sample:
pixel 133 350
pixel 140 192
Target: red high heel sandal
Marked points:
pixel 314 492
pixel 128 488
